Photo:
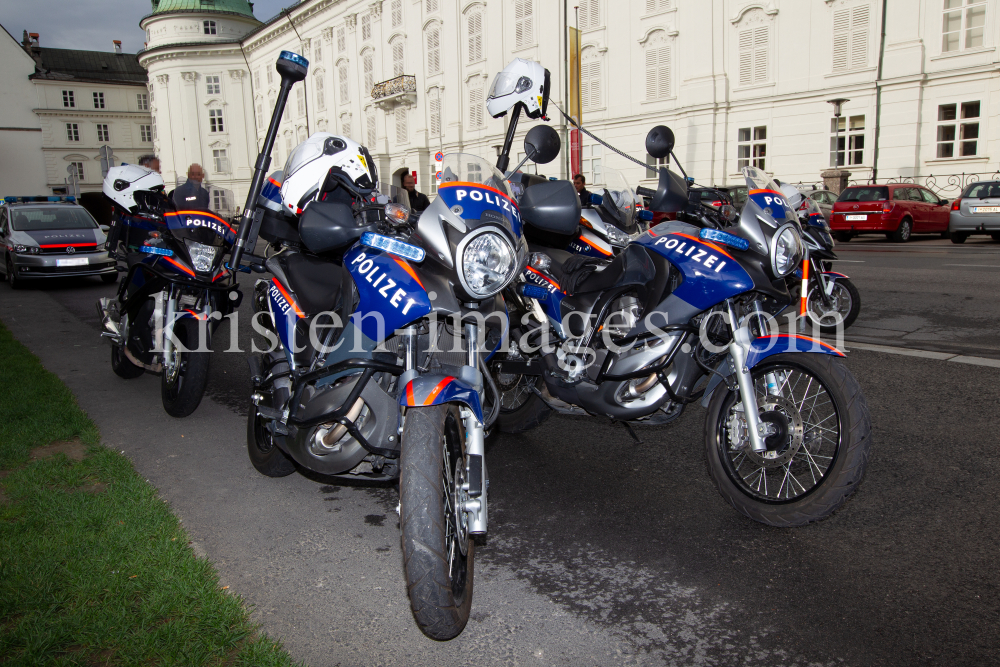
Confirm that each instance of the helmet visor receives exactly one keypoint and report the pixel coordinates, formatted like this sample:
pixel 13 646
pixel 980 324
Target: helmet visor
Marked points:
pixel 303 154
pixel 504 83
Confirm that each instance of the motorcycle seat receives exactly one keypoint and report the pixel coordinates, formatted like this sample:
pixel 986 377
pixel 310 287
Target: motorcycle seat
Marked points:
pixel 314 281
pixel 553 206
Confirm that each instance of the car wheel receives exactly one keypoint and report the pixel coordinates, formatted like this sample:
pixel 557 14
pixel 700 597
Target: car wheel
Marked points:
pixel 15 282
pixel 945 234
pixel 843 237
pixel 959 237
pixel 902 233
pixel 995 236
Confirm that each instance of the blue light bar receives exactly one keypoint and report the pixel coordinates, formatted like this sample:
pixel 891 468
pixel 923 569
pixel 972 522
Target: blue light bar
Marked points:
pixel 46 199
pixel 725 238
pixel 596 200
pixel 404 250
pixel 534 292
pixel 153 250
pixel 294 57
pixel 645 214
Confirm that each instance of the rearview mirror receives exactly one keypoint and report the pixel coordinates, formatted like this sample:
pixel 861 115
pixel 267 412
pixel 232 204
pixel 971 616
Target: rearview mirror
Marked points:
pixel 943 202
pixel 542 144
pixel 660 142
pixel 671 193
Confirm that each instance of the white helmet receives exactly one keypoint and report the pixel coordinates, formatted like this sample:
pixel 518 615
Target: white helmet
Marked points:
pixel 792 195
pixel 523 81
pixel 122 184
pixel 321 157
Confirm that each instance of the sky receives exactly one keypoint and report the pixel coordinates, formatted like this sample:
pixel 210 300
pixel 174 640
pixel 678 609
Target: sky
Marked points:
pixel 92 24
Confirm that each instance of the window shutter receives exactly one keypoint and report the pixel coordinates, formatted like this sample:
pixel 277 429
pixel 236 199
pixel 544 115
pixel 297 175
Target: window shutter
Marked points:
pixel 344 88
pixel 841 38
pixel 859 37
pixel 401 134
pixel 372 135
pixel 663 72
pixel 590 14
pixel 475 25
pixel 760 54
pixel 432 6
pixel 433 50
pixel 650 74
pixel 369 73
pixel 522 23
pixel 397 58
pixel 476 106
pixel 397 13
pixel 320 95
pixel 746 57
pixel 650 6
pixel 436 116
pixel 341 40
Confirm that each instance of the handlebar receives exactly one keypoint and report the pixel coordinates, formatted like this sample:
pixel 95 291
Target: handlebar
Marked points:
pixel 645 192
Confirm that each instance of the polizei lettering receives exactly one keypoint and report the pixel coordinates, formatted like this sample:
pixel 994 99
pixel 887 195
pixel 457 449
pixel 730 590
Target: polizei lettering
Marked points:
pixel 380 280
pixel 490 198
pixel 216 227
pixel 692 251
pixel 279 299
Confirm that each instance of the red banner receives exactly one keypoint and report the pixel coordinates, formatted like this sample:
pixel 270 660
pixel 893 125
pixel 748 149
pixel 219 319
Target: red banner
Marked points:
pixel 575 164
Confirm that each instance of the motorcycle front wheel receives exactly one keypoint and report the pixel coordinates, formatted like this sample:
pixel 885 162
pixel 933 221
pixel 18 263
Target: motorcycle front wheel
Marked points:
pixel 437 549
pixel 845 305
pixel 182 387
pixel 817 450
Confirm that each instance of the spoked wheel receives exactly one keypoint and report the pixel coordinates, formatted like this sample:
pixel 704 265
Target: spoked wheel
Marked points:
pixel 437 549
pixel 183 385
pixel 817 447
pixel 845 304
pixel 521 409
pixel 264 454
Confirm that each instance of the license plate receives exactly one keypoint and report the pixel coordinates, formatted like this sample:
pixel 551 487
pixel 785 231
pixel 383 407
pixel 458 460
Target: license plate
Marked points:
pixel 75 261
pixel 985 209
pixel 855 217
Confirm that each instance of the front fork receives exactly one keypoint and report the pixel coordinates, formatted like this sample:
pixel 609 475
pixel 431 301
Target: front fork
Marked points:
pixel 739 349
pixel 165 317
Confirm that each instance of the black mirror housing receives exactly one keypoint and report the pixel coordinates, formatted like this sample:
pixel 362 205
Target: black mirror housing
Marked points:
pixel 660 142
pixel 542 144
pixel 671 193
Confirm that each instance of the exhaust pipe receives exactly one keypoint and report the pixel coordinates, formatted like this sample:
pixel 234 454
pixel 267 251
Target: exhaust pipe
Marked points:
pixel 338 431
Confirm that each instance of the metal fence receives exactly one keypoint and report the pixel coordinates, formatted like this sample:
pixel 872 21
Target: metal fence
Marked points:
pixel 947 185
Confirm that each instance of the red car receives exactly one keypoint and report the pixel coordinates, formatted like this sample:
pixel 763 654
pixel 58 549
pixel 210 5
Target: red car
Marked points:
pixel 897 210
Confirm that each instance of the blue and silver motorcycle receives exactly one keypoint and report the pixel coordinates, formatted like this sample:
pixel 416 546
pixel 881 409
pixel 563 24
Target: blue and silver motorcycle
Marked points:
pixel 682 314
pixel 382 325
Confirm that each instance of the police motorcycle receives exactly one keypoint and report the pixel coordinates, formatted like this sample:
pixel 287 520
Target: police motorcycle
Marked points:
pixel 681 315
pixel 383 323
pixel 829 299
pixel 175 291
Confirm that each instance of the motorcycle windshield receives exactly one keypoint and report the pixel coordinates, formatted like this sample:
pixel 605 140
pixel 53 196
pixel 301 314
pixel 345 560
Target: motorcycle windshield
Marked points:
pixel 472 169
pixel 769 198
pixel 623 199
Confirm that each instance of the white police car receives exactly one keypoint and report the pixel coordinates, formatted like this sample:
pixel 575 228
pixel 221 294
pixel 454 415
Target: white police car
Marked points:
pixel 50 237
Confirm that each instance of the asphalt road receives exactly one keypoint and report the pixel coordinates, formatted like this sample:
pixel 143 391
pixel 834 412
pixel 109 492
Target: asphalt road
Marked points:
pixel 603 551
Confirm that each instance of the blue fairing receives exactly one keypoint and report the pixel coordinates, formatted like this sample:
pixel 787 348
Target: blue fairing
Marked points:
pixel 711 275
pixel 195 219
pixel 765 346
pixel 139 222
pixel 775 204
pixel 285 312
pixel 476 200
pixel 428 390
pixel 389 297
pixel 551 303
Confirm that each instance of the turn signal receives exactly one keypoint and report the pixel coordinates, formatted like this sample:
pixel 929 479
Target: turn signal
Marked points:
pixel 396 214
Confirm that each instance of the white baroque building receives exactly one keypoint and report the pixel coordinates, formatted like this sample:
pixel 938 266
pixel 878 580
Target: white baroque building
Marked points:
pixel 739 81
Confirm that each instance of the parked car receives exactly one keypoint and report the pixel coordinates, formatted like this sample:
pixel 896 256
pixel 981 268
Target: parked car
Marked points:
pixel 737 193
pixel 824 198
pixel 897 210
pixel 51 237
pixel 976 211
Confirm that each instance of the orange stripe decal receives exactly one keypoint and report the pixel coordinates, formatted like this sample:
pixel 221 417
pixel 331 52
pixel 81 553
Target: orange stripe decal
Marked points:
pixel 805 286
pixel 288 298
pixel 762 191
pixel 205 213
pixel 409 394
pixel 543 276
pixel 710 245
pixel 437 390
pixel 180 266
pixel 595 247
pixel 409 269
pixel 811 340
pixel 274 183
pixel 466 184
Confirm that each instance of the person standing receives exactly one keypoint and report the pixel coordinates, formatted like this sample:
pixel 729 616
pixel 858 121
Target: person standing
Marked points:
pixel 150 162
pixel 191 195
pixel 580 183
pixel 418 200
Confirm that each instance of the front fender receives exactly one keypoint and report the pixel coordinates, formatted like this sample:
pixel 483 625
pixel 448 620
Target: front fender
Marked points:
pixel 428 390
pixel 765 346
pixel 834 275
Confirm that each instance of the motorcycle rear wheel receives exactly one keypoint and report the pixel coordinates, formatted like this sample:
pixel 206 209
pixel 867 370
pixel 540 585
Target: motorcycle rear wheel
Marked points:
pixel 824 442
pixel 122 365
pixel 265 456
pixel 181 394
pixel 437 549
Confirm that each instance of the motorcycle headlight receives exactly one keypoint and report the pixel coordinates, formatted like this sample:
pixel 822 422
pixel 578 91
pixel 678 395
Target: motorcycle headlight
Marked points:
pixel 617 237
pixel 202 256
pixel 786 251
pixel 487 264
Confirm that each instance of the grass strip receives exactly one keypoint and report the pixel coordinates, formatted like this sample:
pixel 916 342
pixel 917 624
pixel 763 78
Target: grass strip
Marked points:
pixel 94 568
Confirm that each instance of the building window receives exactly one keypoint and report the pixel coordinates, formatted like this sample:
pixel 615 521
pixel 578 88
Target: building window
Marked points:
pixel 963 25
pixel 590 14
pixel 590 79
pixel 260 114
pixel 320 92
pixel 288 142
pixel 221 160
pixel 72 132
pixel 657 67
pixel 476 105
pixel 958 122
pixel 366 27
pixel 142 101
pixel 657 6
pixel 372 133
pixel 474 26
pixel 341 40
pixel 850 38
pixel 345 125
pixel 432 6
pixel 215 120
pixel 344 84
pixel 751 147
pixel 435 112
pixel 209 27
pixel 369 71
pixel 318 53
pixel 102 133
pixel 434 50
pixel 397 13
pixel 402 135
pixel 98 100
pixel 270 76
pixel 654 162
pixel 256 79
pixel 753 55
pixel 76 169
pixel 851 139
pixel 523 31
pixel 397 57
pixel 146 131
pixel 220 198
pixel 300 101
pixel 68 98
pixel 154 129
pixel 590 163
pixel 213 85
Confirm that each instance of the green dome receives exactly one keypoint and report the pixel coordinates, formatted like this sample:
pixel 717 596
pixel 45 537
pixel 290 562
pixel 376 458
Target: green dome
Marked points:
pixel 231 6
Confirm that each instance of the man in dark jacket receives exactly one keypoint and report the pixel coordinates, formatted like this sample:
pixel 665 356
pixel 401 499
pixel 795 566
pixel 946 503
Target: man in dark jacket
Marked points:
pixel 580 183
pixel 191 196
pixel 418 200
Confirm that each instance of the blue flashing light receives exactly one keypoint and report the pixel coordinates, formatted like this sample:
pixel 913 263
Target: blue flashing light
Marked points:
pixel 725 238
pixel 295 58
pixel 153 250
pixel 645 214
pixel 534 292
pixel 596 200
pixel 40 199
pixel 391 245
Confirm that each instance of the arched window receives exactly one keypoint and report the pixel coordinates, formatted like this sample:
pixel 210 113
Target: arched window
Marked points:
pixel 371 131
pixel 368 65
pixel 300 100
pixel 591 76
pixel 345 124
pixel 658 66
pixel 433 40
pixel 398 53
pixel 753 39
pixel 474 34
pixel 320 91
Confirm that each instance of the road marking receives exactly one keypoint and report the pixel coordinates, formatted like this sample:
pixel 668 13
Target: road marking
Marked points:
pixel 924 354
pixel 982 266
pixel 851 261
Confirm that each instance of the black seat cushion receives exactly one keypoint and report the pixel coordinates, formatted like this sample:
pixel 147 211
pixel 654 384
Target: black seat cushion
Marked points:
pixel 315 281
pixel 552 206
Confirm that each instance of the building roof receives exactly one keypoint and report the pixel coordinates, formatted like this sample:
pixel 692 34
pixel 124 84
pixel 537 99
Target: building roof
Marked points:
pixel 76 65
pixel 229 6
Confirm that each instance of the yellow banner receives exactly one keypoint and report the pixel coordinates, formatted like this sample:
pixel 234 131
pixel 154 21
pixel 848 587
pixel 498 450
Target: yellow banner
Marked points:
pixel 575 106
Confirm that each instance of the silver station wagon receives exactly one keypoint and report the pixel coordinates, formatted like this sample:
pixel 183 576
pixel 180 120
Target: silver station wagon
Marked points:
pixel 977 211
